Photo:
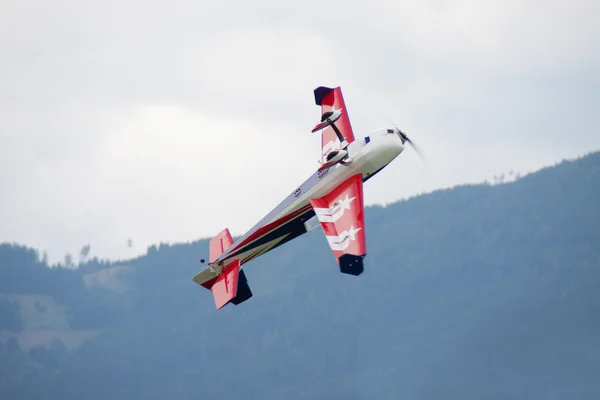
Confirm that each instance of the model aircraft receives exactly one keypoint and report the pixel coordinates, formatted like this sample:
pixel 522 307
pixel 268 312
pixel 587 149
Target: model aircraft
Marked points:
pixel 332 197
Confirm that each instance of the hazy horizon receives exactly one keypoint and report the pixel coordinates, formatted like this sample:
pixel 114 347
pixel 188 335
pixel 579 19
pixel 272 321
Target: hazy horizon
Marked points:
pixel 131 120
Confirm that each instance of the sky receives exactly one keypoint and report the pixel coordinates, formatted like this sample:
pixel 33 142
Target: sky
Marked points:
pixel 169 121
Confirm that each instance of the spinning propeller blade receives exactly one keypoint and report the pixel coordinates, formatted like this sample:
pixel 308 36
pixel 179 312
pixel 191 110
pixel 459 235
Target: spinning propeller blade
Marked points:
pixel 405 139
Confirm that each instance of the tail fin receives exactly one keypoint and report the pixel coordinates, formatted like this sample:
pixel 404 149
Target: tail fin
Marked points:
pixel 231 284
pixel 219 244
pixel 225 287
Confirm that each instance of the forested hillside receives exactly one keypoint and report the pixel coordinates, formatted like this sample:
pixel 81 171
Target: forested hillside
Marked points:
pixel 478 292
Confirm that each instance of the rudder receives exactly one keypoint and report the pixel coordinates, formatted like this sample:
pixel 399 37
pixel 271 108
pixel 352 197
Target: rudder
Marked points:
pixel 231 286
pixel 225 287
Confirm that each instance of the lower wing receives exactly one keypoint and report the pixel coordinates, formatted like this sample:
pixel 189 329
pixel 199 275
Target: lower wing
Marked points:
pixel 341 214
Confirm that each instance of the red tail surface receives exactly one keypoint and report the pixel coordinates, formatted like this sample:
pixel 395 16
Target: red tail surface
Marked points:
pixel 219 244
pixel 225 287
pixel 230 285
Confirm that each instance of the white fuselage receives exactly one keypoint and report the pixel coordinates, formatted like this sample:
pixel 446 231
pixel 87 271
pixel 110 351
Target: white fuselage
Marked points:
pixel 368 157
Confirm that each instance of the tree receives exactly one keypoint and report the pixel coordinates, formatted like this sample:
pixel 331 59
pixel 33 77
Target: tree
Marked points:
pixel 68 260
pixel 84 252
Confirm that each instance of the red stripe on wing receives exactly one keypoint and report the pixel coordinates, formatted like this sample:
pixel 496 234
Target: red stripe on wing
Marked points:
pixel 262 231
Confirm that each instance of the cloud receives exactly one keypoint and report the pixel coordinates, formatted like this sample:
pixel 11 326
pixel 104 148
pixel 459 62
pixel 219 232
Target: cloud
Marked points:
pixel 263 66
pixel 169 122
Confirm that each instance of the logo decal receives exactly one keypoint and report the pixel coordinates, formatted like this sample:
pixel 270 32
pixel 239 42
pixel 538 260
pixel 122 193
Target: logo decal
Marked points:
pixel 336 211
pixel 342 241
pixel 323 172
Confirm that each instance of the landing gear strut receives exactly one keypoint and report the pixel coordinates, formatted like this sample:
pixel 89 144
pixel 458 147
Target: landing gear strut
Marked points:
pixel 326 116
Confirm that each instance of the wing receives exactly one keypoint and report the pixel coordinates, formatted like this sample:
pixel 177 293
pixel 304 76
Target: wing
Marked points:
pixel 333 100
pixel 341 214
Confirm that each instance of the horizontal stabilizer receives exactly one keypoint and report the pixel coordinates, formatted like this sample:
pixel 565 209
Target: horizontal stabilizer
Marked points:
pixel 219 244
pixel 225 287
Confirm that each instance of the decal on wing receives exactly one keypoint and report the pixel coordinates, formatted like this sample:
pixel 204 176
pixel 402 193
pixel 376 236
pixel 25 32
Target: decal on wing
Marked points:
pixel 341 214
pixel 332 100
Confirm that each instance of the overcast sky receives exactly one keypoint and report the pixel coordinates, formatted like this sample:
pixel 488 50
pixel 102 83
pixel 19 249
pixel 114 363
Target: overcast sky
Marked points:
pixel 169 121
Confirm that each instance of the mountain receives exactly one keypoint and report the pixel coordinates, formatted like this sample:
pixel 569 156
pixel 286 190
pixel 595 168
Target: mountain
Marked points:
pixel 478 291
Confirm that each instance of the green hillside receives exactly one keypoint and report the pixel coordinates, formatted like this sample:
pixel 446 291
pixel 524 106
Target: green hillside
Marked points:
pixel 479 291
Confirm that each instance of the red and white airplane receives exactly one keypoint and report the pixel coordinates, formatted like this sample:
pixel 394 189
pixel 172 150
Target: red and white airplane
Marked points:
pixel 332 196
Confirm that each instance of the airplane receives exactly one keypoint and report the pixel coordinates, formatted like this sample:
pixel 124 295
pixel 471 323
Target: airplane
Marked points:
pixel 331 197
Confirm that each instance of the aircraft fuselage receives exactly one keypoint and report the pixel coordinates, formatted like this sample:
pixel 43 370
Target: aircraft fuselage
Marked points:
pixel 288 220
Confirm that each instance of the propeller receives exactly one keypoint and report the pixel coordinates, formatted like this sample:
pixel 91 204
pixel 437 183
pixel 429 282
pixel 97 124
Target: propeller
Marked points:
pixel 405 139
